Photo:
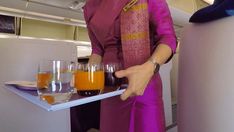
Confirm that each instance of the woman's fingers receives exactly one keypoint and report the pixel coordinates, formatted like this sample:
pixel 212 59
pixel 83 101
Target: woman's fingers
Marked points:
pixel 138 78
pixel 121 73
pixel 127 93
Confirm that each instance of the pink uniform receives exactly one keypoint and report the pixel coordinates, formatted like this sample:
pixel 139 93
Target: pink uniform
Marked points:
pixel 137 114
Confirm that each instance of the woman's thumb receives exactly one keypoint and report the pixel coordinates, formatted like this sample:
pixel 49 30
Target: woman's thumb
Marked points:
pixel 121 73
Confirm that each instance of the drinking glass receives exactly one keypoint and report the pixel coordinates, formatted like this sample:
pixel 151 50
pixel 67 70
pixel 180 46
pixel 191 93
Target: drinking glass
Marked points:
pixel 111 81
pixel 54 81
pixel 89 79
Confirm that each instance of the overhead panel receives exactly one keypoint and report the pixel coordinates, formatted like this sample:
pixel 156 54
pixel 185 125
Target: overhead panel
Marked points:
pixel 67 11
pixel 50 11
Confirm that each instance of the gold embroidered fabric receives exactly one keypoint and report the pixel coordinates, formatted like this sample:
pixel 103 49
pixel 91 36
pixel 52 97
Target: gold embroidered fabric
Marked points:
pixel 134 24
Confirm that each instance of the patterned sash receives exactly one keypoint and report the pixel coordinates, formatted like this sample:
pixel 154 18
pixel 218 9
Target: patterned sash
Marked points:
pixel 135 39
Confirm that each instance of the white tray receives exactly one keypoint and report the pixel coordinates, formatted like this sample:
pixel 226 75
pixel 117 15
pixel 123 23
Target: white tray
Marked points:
pixel 74 101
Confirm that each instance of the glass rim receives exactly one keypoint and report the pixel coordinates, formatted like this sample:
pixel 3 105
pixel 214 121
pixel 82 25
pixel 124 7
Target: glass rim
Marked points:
pixel 89 66
pixel 56 60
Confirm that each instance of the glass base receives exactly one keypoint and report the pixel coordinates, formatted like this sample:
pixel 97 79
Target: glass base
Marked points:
pixel 55 98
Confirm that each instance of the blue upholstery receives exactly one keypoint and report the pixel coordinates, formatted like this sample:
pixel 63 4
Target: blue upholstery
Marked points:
pixel 219 9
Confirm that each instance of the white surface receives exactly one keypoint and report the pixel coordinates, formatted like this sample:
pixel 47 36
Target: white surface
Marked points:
pixel 24 85
pixel 174 129
pixel 165 76
pixel 209 1
pixel 19 59
pixel 35 99
pixel 179 16
pixel 84 51
pixel 206 84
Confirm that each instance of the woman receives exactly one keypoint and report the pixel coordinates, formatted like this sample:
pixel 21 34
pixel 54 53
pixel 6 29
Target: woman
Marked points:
pixel 138 34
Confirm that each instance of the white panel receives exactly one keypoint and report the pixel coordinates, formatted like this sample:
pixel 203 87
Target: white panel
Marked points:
pixel 15 4
pixel 165 76
pixel 45 9
pixel 174 129
pixel 180 17
pixel 206 85
pixel 19 59
pixel 56 3
pixel 84 51
pixel 209 1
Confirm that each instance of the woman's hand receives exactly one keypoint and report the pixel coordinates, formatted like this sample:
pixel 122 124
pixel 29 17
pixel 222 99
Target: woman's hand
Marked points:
pixel 138 78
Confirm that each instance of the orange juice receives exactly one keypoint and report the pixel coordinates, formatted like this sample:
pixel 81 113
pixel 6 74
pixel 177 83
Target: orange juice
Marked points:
pixel 86 80
pixel 48 98
pixel 43 79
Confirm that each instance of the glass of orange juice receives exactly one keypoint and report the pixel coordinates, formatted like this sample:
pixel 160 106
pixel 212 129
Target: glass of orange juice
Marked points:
pixel 54 81
pixel 89 79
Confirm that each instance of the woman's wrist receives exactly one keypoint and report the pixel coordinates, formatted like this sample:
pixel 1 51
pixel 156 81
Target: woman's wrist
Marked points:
pixel 152 66
pixel 155 64
pixel 149 66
